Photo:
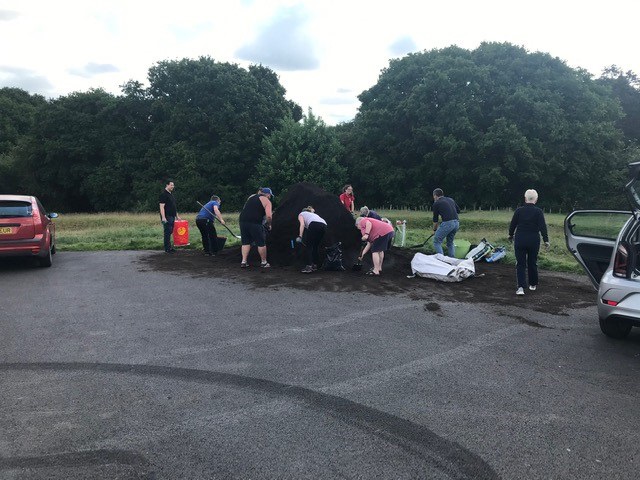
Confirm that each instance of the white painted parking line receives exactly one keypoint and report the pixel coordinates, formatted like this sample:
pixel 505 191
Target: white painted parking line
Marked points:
pixel 279 333
pixel 419 366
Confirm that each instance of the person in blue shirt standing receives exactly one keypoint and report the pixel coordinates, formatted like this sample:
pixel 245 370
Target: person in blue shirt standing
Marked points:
pixel 205 223
pixel 447 209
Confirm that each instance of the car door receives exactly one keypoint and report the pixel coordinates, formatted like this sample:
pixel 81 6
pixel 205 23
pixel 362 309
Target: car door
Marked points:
pixel 592 236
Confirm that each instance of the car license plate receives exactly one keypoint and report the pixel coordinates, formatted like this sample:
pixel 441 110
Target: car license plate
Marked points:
pixel 5 230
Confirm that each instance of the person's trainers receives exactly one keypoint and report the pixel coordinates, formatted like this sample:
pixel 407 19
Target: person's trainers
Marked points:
pixel 307 269
pixel 313 268
pixel 532 287
pixel 265 265
pixel 520 291
pixel 244 265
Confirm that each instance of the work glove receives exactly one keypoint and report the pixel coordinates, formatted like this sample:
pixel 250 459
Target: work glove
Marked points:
pixel 547 246
pixel 298 239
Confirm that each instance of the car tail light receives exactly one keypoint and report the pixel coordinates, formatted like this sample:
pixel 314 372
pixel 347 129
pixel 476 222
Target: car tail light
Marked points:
pixel 621 261
pixel 611 303
pixel 37 219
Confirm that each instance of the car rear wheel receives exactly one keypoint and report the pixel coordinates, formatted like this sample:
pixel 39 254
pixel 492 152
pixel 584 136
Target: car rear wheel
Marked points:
pixel 46 261
pixel 615 327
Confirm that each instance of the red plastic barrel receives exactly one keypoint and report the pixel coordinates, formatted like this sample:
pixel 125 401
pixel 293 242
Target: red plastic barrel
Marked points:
pixel 180 233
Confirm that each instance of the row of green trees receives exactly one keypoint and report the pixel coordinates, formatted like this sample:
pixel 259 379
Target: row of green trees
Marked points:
pixel 484 125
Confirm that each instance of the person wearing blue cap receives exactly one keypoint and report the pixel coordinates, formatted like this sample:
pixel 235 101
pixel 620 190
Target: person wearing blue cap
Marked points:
pixel 255 217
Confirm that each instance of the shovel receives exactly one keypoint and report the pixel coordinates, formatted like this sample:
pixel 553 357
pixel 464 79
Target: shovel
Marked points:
pixel 224 225
pixel 423 243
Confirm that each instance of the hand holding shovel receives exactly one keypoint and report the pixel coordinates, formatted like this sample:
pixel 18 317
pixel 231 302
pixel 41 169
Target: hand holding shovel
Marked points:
pixel 223 224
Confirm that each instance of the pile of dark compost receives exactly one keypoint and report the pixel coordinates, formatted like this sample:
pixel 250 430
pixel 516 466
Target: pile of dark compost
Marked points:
pixel 495 283
pixel 340 224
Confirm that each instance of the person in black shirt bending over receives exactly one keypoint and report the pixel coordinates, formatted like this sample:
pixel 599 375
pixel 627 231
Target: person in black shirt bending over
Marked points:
pixel 528 224
pixel 254 218
pixel 448 210
pixel 168 214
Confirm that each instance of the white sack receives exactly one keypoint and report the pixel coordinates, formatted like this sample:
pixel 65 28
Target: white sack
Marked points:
pixel 441 267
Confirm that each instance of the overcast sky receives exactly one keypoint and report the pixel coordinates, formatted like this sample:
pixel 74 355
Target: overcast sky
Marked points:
pixel 326 52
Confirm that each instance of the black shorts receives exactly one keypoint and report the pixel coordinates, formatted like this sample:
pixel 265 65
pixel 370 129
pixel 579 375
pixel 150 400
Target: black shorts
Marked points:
pixel 252 233
pixel 383 243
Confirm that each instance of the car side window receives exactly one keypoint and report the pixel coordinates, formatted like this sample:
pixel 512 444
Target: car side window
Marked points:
pixel 604 224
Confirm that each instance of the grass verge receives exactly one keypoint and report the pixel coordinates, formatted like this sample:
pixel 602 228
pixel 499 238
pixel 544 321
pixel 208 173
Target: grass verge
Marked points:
pixel 143 231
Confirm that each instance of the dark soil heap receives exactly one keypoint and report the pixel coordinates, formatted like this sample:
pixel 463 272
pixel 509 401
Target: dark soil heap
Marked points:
pixel 340 224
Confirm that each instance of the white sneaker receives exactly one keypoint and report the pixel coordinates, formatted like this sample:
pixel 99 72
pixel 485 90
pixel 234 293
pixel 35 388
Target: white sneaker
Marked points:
pixel 520 291
pixel 532 287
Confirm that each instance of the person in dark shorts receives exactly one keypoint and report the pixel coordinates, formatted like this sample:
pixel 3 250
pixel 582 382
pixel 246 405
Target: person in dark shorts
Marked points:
pixel 378 235
pixel 168 214
pixel 447 209
pixel 528 224
pixel 312 230
pixel 205 221
pixel 254 219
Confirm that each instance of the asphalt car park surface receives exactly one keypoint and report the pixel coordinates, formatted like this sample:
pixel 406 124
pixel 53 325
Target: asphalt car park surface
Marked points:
pixel 123 365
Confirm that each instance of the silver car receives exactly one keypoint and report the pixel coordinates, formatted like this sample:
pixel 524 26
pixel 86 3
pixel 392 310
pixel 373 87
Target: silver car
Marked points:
pixel 607 244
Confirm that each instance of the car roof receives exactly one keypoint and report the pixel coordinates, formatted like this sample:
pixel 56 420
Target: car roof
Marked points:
pixel 16 198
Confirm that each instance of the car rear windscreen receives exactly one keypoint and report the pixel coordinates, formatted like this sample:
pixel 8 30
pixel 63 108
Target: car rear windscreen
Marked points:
pixel 13 209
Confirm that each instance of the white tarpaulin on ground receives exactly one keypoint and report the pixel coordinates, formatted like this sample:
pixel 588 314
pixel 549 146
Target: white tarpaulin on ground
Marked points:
pixel 441 267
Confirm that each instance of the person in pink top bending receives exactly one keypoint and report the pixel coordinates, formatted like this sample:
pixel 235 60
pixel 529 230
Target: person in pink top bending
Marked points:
pixel 378 235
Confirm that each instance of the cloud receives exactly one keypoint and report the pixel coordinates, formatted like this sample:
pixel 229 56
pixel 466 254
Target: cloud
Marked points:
pixel 402 46
pixel 283 44
pixel 25 79
pixel 344 90
pixel 92 69
pixel 337 101
pixel 8 15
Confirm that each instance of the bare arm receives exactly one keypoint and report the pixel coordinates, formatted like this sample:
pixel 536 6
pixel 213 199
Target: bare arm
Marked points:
pixel 301 221
pixel 162 215
pixel 216 212
pixel 267 209
pixel 367 230
pixel 365 249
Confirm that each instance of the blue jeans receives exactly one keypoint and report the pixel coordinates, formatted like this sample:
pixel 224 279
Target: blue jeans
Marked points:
pixel 168 230
pixel 446 229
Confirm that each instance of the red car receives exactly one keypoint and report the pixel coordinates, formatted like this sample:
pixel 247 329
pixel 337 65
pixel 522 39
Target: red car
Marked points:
pixel 26 229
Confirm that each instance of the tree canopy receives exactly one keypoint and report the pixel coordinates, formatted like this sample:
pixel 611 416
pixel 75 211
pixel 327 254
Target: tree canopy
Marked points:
pixel 483 124
pixel 301 152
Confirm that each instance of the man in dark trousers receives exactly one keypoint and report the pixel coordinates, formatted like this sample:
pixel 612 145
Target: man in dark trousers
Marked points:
pixel 254 218
pixel 447 209
pixel 168 214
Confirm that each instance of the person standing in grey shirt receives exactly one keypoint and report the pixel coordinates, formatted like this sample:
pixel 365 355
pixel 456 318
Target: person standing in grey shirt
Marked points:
pixel 447 209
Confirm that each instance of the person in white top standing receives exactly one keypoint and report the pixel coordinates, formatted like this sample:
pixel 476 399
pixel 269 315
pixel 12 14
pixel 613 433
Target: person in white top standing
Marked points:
pixel 312 230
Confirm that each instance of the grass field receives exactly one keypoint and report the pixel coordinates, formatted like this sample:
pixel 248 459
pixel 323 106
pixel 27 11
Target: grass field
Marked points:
pixel 129 231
